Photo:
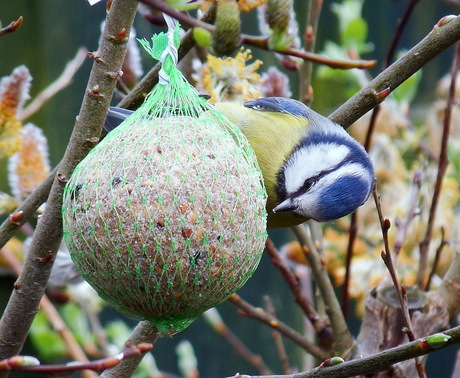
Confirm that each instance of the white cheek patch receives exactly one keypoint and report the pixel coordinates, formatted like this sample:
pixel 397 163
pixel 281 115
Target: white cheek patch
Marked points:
pixel 352 170
pixel 310 161
pixel 309 204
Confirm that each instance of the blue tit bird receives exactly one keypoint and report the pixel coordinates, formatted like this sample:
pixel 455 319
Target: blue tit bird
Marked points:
pixel 312 168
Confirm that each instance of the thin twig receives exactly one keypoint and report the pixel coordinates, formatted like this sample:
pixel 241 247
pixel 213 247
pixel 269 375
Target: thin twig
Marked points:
pixel 314 11
pixel 402 23
pixel 342 337
pixel 400 290
pixel 262 42
pixel 374 363
pixel 354 218
pixel 412 211
pixel 442 167
pixel 444 34
pixel 12 27
pixel 213 318
pixel 137 95
pixel 264 317
pixel 437 258
pixel 30 286
pixel 60 83
pixel 371 128
pixel 58 324
pixel 352 235
pixel 282 355
pixel 321 326
pixel 145 332
pixel 106 363
pixel 449 290
pixel 27 209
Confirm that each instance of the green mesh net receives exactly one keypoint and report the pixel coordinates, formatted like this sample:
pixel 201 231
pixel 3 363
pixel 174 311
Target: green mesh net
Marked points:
pixel 165 217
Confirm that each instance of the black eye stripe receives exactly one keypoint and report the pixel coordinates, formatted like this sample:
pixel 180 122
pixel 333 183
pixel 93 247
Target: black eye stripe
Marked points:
pixel 309 182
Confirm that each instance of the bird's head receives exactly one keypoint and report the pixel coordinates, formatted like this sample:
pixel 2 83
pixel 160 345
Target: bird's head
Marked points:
pixel 328 176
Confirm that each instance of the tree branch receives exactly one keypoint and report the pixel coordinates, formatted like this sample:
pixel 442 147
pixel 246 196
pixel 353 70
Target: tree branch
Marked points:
pixel 16 363
pixel 342 336
pixel 306 71
pixel 375 363
pixel 58 324
pixel 444 34
pixel 442 168
pixel 449 290
pixel 30 286
pixel 266 318
pixel 27 209
pixel 145 332
pixel 137 95
pixel 400 290
pixel 60 83
pixel 213 319
pixel 321 326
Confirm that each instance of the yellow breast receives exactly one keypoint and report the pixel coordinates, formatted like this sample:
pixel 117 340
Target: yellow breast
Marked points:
pixel 273 136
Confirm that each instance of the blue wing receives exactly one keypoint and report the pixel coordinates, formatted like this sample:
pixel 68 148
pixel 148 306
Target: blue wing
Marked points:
pixel 115 117
pixel 280 105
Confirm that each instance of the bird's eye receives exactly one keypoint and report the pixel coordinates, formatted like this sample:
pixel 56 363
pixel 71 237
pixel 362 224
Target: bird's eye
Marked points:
pixel 309 182
pixel 258 107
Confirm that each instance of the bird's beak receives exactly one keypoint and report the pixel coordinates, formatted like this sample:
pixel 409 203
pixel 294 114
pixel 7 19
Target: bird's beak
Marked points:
pixel 284 206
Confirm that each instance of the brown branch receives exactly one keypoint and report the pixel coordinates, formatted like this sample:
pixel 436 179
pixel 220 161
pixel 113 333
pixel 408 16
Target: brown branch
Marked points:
pixel 261 42
pixel 344 64
pixel 264 317
pixel 321 326
pixel 145 332
pixel 400 290
pixel 137 95
pixel 443 35
pixel 376 362
pixel 27 209
pixel 313 15
pixel 371 128
pixel 30 286
pixel 449 290
pixel 442 167
pixel 342 337
pixel 213 318
pixel 106 363
pixel 402 23
pixel 353 232
pixel 437 258
pixel 282 355
pixel 58 324
pixel 60 83
pixel 12 27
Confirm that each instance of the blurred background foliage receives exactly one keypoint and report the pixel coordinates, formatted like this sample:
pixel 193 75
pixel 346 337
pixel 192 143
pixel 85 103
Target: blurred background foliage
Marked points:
pixel 52 32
